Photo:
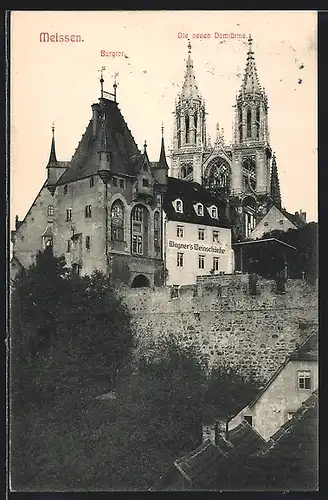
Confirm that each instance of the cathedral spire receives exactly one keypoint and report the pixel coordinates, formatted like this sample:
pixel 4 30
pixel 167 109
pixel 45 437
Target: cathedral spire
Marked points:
pixel 52 157
pixel 189 87
pixel 162 163
pixel 250 81
pixel 275 194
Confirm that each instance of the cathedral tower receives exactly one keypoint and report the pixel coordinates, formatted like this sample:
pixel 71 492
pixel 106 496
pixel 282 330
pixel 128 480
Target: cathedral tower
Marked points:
pixel 251 142
pixel 189 130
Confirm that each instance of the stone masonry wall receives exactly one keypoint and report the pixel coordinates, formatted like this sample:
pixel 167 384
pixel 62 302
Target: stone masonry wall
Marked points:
pixel 251 332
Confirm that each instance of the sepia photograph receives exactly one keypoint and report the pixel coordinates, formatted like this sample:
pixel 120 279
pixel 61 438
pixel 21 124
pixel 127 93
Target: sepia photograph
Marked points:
pixel 163 275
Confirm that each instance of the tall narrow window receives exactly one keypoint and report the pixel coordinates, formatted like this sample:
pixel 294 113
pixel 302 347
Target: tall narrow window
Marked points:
pixel 179 259
pixel 92 181
pixel 139 230
pixel 240 123
pixel 87 242
pixel 88 211
pixel 179 138
pixel 201 261
pixel 157 231
pixel 201 234
pixel 50 211
pixel 249 124
pixel 195 132
pixel 187 128
pixel 68 246
pixel 180 231
pixel 68 214
pixel 65 189
pixel 215 263
pixel 258 123
pixel 117 221
pixel 215 236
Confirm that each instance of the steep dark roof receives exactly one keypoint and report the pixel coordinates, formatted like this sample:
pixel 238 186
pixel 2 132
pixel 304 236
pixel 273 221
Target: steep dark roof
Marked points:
pixel 121 145
pixel 293 218
pixel 289 460
pixel 245 439
pixel 191 193
pixel 199 465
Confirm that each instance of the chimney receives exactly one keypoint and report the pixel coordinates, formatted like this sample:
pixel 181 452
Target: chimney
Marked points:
pixel 303 215
pixel 95 114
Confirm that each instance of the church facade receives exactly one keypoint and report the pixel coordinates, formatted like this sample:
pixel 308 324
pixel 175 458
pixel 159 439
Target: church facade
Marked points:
pixel 244 174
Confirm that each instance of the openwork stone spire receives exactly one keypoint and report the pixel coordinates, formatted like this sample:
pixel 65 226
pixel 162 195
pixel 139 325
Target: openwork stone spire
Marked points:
pixel 250 81
pixel 189 88
pixel 52 157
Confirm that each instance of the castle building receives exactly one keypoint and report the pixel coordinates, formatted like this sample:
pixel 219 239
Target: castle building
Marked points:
pixel 244 173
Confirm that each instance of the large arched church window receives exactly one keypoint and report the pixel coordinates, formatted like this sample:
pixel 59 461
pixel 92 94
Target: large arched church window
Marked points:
pixel 249 173
pixel 117 221
pixel 240 123
pixel 139 230
pixel 218 176
pixel 157 231
pixel 195 130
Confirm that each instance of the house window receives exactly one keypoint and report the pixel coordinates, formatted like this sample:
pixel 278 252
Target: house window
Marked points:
pixel 214 212
pixel 281 222
pixel 114 182
pixel 249 419
pixel 122 184
pixel 92 182
pixel 215 263
pixel 137 244
pixel 201 234
pixel 304 379
pixel 68 246
pixel 68 214
pixel 180 231
pixel 157 230
pixel 179 259
pixel 145 182
pixel 200 209
pixel 266 224
pixel 117 221
pixel 65 189
pixel 215 236
pixel 50 211
pixel 201 261
pixel 87 242
pixel 87 211
pixel 139 230
pixel 179 206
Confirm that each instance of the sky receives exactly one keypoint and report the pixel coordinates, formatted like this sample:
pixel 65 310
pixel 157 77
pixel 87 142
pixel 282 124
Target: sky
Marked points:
pixel 58 82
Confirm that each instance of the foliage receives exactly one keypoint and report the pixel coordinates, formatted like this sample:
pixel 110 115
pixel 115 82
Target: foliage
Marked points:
pixel 305 239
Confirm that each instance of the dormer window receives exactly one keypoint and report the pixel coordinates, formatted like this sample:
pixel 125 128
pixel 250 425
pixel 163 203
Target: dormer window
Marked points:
pixel 145 182
pixel 214 212
pixel 178 205
pixel 199 209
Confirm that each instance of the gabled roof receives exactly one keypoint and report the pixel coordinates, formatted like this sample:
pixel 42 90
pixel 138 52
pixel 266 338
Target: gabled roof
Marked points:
pixel 307 351
pixel 293 218
pixel 199 465
pixel 262 241
pixel 245 439
pixel 121 146
pixel 192 193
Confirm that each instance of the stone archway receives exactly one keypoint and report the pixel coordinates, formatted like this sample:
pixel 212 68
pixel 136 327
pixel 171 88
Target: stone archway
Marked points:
pixel 140 281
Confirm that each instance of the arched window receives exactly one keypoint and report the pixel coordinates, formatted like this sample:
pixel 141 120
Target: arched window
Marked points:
pixel 249 124
pixel 258 123
pixel 195 136
pixel 139 230
pixel 157 231
pixel 179 206
pixel 187 128
pixel 249 173
pixel 240 123
pixel 183 172
pixel 117 221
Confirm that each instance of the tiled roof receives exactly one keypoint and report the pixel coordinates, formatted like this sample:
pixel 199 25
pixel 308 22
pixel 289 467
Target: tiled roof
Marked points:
pixel 293 218
pixel 245 439
pixel 121 146
pixel 191 193
pixel 200 464
pixel 308 351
